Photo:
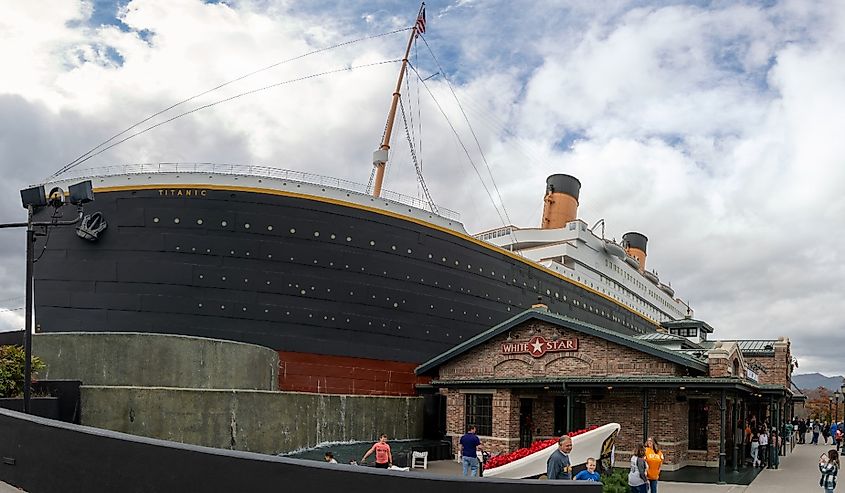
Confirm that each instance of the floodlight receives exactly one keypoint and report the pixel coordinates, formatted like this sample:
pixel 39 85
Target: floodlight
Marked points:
pixel 81 193
pixel 35 197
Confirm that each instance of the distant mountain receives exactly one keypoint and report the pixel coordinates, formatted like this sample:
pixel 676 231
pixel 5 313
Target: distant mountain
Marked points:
pixel 809 381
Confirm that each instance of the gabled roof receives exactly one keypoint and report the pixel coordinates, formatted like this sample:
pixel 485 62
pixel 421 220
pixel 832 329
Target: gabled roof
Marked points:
pixel 754 347
pixel 568 323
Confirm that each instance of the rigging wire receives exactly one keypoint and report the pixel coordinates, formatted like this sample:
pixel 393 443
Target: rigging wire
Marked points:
pixel 461 142
pixel 417 167
pixel 84 157
pixel 236 96
pixel 472 131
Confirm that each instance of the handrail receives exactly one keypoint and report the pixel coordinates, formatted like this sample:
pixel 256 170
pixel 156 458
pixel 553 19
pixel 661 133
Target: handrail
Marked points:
pixel 255 170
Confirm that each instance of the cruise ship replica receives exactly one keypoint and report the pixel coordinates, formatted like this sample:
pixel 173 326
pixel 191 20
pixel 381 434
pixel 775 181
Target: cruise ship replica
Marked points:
pixel 353 287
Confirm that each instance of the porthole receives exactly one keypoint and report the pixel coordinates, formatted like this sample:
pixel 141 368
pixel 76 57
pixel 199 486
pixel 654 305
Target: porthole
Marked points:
pixel 396 305
pixel 224 223
pixel 316 234
pixel 223 278
pixel 269 255
pixel 155 219
pixel 176 220
pixel 372 243
pixel 429 255
pixel 332 236
pixel 244 308
pixel 199 305
pixel 348 238
pixel 393 247
pixel 178 248
pixel 270 228
pixel 292 230
pixel 246 225
pixel 266 311
pixel 456 262
pixel 246 280
pixel 231 252
pixel 201 276
pixel 222 307
pixel 301 291
pixel 268 283
pixel 199 221
pixel 247 254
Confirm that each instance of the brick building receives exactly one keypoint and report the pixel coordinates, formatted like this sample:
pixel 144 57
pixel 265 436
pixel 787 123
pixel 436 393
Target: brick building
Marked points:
pixel 540 375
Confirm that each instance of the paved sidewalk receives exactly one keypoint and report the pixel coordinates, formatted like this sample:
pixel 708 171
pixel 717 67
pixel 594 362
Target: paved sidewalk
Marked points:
pixel 798 472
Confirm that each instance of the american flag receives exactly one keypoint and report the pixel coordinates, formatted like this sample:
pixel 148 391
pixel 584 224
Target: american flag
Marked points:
pixel 421 21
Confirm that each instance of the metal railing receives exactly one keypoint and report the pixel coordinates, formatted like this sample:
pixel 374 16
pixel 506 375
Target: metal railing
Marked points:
pixel 256 171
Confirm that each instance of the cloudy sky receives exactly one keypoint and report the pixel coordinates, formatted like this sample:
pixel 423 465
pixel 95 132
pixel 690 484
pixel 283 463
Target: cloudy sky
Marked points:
pixel 714 128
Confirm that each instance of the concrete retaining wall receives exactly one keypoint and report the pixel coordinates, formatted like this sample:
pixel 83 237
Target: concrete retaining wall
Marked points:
pixel 254 421
pixel 159 360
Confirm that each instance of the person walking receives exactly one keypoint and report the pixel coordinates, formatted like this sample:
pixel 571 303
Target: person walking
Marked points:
pixel 763 453
pixel 802 432
pixel 825 431
pixel 384 459
pixel 829 467
pixel 558 465
pixel 755 449
pixel 469 445
pixel 653 459
pixel 637 478
pixel 816 430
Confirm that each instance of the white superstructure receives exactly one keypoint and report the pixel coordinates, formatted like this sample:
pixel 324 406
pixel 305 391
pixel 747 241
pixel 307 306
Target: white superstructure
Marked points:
pixel 575 252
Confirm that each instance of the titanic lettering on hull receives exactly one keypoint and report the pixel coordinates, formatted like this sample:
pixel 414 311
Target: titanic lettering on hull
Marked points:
pixel 539 345
pixel 181 192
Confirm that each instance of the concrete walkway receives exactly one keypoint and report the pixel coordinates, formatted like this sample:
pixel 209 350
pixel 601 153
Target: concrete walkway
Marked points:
pixel 798 472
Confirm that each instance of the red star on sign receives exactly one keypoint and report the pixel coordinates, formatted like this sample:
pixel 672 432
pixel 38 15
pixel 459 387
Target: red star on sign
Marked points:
pixel 537 346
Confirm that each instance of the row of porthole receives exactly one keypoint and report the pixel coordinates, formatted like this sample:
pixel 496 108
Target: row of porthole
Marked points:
pixel 328 290
pixel 225 223
pixel 327 318
pixel 316 234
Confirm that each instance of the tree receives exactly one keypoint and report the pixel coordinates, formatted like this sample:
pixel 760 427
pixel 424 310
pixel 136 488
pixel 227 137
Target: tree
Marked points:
pixel 12 361
pixel 818 404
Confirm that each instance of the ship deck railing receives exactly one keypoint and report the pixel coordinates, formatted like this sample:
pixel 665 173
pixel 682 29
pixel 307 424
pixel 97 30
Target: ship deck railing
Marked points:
pixel 259 171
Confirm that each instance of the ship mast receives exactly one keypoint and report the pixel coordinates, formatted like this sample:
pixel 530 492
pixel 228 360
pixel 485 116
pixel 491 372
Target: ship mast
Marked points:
pixel 380 156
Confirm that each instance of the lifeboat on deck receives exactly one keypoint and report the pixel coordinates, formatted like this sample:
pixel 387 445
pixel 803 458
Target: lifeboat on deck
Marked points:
pixel 651 276
pixel 667 289
pixel 632 262
pixel 614 249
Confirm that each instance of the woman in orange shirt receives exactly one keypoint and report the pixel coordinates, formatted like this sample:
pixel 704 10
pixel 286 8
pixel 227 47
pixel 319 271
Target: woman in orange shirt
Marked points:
pixel 654 459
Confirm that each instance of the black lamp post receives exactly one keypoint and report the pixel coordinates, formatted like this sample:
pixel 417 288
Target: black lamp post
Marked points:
pixel 829 406
pixel 33 198
pixel 836 406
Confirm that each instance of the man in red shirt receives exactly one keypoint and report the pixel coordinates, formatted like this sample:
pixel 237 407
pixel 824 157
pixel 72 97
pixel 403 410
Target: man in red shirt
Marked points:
pixel 383 457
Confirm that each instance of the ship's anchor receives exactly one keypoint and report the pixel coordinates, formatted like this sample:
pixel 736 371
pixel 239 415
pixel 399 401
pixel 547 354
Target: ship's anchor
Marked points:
pixel 91 227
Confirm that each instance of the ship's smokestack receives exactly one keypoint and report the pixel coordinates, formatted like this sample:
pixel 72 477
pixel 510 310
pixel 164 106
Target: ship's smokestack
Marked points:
pixel 635 245
pixel 560 204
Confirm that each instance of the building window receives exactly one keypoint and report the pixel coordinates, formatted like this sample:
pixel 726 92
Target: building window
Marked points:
pixel 479 412
pixel 698 424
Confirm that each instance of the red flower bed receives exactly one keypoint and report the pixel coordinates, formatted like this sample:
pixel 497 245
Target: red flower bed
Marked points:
pixel 502 459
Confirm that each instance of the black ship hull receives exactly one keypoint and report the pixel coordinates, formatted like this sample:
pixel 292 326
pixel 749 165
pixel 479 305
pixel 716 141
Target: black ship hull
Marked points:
pixel 294 273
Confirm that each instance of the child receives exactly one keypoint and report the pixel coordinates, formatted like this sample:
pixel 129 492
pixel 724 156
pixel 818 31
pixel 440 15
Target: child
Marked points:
pixel 329 457
pixel 829 467
pixel 590 473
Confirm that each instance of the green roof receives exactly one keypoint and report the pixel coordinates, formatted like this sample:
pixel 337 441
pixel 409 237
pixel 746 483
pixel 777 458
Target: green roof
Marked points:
pixel 569 323
pixel 621 381
pixel 753 347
